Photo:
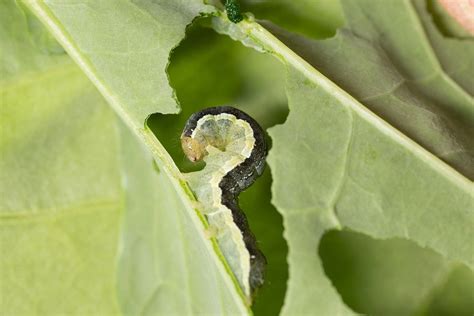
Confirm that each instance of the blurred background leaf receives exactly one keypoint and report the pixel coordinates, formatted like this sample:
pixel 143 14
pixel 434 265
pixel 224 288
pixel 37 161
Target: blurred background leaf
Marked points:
pixel 395 276
pixel 312 18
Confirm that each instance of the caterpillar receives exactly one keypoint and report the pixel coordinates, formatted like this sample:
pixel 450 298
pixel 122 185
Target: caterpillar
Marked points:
pixel 233 146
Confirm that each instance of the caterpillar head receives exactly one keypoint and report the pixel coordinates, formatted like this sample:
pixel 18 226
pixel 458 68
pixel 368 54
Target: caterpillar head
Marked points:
pixel 192 148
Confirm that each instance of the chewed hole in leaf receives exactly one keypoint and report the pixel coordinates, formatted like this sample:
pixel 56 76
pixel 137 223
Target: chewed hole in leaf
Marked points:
pixel 223 72
pixel 395 276
pixel 299 17
pixel 267 225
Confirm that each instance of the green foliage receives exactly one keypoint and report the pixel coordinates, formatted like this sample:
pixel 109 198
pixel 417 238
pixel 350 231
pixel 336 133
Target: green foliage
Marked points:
pixel 370 171
pixel 59 183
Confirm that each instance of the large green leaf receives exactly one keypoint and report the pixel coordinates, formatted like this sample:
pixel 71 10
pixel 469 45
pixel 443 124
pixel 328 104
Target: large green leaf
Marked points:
pixel 392 69
pixel 123 47
pixel 59 181
pixel 364 176
pixel 344 166
pixel 60 196
pixel 127 65
pixel 335 164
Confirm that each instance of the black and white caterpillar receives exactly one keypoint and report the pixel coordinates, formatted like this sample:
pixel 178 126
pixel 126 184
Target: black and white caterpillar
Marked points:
pixel 233 146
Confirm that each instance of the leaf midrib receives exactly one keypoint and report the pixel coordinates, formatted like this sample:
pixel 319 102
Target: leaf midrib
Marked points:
pixel 146 136
pixel 268 42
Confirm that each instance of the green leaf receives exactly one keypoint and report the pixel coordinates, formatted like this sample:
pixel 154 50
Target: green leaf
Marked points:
pixel 455 294
pixel 165 266
pixel 342 166
pixel 376 277
pixel 138 37
pixel 393 70
pixel 59 181
pixel 365 176
pixel 59 225
pixel 69 165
